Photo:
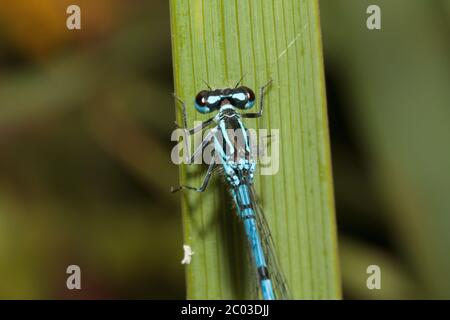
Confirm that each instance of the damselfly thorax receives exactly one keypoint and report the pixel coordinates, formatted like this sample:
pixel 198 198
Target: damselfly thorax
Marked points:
pixel 231 138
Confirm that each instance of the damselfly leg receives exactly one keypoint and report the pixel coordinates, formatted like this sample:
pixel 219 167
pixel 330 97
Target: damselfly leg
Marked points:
pixel 258 114
pixel 204 183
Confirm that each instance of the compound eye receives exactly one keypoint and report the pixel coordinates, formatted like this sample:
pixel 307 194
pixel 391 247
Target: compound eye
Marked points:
pixel 250 94
pixel 244 98
pixel 202 98
pixel 201 102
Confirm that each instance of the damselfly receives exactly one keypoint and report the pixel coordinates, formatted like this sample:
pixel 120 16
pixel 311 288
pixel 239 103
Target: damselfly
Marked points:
pixel 238 167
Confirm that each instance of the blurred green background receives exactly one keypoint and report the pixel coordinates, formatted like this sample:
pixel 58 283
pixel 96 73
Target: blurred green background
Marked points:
pixel 85 170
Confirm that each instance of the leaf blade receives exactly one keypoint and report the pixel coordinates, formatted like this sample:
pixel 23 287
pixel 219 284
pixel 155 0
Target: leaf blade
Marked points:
pixel 219 41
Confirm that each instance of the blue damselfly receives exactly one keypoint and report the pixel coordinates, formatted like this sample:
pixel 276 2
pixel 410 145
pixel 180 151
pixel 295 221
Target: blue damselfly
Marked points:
pixel 238 167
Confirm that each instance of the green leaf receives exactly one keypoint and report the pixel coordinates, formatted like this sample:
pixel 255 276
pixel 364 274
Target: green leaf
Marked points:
pixel 219 42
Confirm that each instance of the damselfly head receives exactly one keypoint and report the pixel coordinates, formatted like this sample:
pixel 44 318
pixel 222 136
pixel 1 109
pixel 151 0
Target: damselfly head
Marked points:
pixel 209 100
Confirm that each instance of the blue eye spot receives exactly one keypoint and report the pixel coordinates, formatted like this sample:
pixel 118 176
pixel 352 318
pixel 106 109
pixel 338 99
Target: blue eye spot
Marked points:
pixel 240 96
pixel 249 104
pixel 202 109
pixel 213 99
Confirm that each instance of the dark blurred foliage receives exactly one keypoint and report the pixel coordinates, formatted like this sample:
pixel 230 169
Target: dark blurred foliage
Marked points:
pixel 389 100
pixel 85 171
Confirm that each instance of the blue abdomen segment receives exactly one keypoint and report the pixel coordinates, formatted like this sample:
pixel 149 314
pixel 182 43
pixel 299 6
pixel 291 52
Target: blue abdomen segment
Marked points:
pixel 241 194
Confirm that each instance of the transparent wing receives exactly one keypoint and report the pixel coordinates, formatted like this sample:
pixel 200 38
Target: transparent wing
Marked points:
pixel 279 281
pixel 255 293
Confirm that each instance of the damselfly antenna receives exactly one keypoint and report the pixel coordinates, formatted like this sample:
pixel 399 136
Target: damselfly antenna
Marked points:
pixel 206 83
pixel 240 80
